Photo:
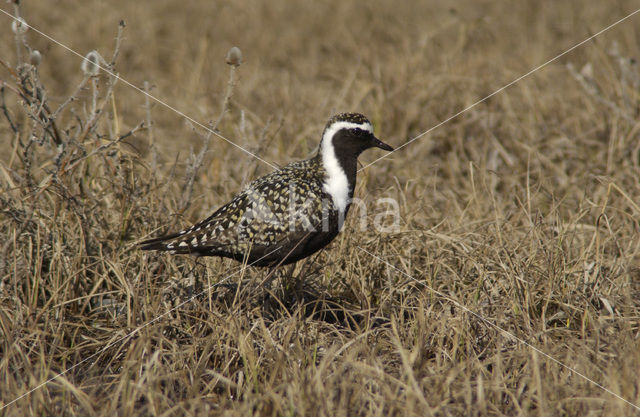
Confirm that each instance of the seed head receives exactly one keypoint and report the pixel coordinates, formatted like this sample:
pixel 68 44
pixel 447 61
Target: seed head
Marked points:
pixel 19 26
pixel 234 56
pixel 91 64
pixel 35 57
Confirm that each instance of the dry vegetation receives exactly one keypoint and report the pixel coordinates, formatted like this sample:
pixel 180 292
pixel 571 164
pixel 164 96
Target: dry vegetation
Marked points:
pixel 525 210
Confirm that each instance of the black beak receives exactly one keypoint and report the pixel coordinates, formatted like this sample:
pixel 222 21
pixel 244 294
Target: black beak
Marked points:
pixel 380 144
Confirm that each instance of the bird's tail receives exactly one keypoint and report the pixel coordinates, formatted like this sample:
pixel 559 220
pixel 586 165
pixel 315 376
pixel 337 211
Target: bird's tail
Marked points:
pixel 164 243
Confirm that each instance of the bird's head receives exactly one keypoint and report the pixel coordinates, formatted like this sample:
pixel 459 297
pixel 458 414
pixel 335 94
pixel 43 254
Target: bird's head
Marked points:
pixel 349 134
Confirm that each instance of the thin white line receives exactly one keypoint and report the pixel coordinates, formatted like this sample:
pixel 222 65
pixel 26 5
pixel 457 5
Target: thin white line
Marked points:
pixel 505 332
pixel 501 89
pixel 151 96
pixel 128 335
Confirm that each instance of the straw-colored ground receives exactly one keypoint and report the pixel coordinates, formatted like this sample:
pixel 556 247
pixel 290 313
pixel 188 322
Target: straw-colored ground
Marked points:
pixel 510 287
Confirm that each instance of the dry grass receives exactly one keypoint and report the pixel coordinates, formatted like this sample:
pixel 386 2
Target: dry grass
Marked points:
pixel 525 210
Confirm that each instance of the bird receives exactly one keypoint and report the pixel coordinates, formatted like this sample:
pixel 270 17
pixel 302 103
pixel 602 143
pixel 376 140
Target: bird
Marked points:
pixel 289 214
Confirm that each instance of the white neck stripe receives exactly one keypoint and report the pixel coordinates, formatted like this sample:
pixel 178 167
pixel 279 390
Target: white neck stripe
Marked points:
pixel 336 183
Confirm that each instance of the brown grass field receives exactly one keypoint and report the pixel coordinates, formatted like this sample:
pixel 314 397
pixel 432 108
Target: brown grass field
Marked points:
pixel 510 286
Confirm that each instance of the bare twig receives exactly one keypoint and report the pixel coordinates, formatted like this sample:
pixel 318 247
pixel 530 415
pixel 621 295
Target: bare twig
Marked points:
pixel 231 84
pixel 19 34
pixel 234 58
pixel 102 148
pixel 192 171
pixel 99 109
pixel 152 145
pixel 116 49
pixel 5 111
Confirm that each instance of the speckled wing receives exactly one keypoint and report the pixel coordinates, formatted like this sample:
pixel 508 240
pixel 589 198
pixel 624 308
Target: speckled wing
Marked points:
pixel 260 221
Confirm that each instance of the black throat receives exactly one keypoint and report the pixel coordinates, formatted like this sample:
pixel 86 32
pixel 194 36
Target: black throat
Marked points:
pixel 347 152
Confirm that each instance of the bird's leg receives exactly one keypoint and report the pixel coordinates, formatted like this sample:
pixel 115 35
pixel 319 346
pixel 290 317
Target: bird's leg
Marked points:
pixel 196 285
pixel 268 294
pixel 271 274
pixel 291 279
pixel 306 268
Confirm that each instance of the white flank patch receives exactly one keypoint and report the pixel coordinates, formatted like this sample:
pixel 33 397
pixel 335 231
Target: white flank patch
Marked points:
pixel 336 183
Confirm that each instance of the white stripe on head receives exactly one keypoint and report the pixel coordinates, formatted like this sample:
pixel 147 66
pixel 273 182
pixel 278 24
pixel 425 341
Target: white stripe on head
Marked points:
pixel 336 183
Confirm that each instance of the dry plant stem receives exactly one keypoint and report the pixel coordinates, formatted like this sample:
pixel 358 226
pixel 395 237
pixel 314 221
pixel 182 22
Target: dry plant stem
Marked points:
pixel 192 171
pixel 263 143
pixel 94 97
pixel 5 111
pixel 152 146
pixel 114 128
pixel 71 98
pixel 103 148
pixel 98 111
pixel 197 160
pixel 42 115
pixel 231 84
pixel 18 36
pixel 116 49
pixel 29 89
